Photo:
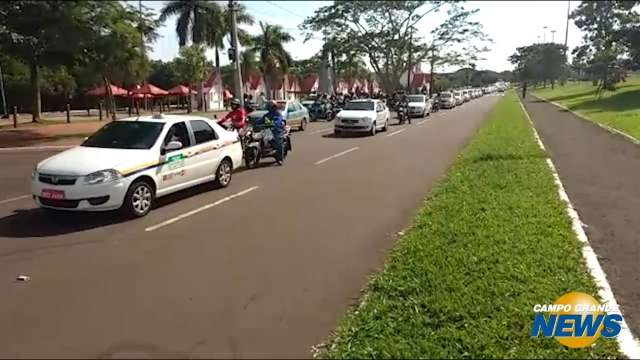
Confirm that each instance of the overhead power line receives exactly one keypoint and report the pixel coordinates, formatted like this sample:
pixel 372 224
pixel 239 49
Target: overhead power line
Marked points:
pixel 285 9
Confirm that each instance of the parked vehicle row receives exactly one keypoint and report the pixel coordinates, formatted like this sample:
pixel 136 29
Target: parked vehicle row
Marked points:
pixel 129 163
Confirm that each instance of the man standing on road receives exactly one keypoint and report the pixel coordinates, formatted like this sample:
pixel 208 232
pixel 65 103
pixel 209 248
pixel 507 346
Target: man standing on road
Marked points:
pixel 261 100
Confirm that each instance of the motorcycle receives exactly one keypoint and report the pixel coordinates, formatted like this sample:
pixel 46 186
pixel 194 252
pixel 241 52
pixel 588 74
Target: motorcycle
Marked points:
pixel 322 111
pixel 435 105
pixel 259 144
pixel 403 114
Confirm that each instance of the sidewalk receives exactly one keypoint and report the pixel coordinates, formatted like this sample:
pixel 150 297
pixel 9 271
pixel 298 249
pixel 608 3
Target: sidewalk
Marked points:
pixel 600 172
pixel 29 134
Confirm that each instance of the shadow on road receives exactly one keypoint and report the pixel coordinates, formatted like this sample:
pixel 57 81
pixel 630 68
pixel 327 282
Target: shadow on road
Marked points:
pixel 37 222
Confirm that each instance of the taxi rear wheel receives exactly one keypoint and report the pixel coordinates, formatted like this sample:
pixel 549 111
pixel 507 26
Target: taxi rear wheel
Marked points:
pixel 223 173
pixel 139 199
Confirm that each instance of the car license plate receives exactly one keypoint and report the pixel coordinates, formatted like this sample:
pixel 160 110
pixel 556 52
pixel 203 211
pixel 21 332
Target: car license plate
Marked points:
pixel 53 194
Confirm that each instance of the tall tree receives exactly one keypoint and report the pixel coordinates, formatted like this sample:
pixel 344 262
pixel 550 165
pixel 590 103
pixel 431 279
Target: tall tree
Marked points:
pixel 269 44
pixel 540 62
pixel 43 33
pixel 383 31
pixel 603 24
pixel 204 22
pixel 193 16
pixel 192 66
pixel 115 49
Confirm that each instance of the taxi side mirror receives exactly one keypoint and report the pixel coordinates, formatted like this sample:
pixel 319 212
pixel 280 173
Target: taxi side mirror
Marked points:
pixel 173 145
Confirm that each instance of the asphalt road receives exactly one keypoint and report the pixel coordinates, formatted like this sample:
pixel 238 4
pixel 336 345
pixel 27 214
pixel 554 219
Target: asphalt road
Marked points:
pixel 265 274
pixel 600 172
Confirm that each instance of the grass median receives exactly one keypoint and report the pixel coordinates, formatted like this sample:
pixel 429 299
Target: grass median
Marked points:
pixel 492 240
pixel 617 109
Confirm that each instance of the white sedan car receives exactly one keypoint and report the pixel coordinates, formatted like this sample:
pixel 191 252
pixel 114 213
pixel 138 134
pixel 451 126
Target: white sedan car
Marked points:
pixel 362 115
pixel 128 163
pixel 419 105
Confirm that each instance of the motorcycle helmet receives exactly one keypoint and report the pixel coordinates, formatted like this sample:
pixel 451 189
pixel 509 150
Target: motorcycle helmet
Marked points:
pixel 235 103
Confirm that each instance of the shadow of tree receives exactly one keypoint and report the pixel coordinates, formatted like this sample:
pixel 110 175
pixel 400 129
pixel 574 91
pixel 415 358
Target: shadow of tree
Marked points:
pixel 574 96
pixel 622 101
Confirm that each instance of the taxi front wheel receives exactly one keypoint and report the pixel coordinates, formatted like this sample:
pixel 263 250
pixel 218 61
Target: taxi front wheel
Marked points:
pixel 139 199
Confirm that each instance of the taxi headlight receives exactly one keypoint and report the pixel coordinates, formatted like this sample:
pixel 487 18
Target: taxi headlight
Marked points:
pixel 102 176
pixel 367 119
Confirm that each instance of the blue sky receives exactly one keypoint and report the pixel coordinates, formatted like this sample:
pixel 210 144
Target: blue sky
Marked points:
pixel 509 23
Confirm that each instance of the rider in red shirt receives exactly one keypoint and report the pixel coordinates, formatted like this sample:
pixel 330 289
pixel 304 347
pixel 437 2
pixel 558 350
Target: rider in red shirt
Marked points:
pixel 237 116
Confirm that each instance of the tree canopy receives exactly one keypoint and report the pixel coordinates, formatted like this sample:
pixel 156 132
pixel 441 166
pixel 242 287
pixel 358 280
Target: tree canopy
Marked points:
pixel 611 31
pixel 540 62
pixel 385 32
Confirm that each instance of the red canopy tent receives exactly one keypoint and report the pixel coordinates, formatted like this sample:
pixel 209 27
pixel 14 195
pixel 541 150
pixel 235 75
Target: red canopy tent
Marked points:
pixel 102 91
pixel 145 92
pixel 180 90
pixel 149 89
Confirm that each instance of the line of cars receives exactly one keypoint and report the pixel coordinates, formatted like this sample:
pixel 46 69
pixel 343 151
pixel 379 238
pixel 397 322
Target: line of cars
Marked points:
pixel 129 163
pixel 451 99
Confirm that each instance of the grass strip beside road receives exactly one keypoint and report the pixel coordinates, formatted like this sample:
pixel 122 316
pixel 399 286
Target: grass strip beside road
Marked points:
pixel 492 240
pixel 617 109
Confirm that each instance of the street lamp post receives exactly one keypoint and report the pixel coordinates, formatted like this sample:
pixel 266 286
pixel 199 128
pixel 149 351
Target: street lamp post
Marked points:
pixel 553 35
pixel 237 78
pixel 544 34
pixel 4 99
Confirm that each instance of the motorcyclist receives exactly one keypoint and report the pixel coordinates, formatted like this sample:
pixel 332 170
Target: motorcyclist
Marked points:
pixel 237 116
pixel 273 119
pixel 404 103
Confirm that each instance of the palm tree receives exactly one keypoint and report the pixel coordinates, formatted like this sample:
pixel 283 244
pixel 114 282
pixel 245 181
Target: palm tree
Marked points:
pixel 192 16
pixel 204 22
pixel 218 26
pixel 274 58
pixel 248 64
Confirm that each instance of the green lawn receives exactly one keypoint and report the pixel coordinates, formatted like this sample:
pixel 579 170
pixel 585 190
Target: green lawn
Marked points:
pixel 618 109
pixel 492 240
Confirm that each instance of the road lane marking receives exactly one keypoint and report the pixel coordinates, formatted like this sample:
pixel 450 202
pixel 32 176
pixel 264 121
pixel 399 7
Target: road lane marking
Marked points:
pixel 320 131
pixel 628 344
pixel 200 209
pixel 336 155
pixel 37 148
pixel 396 132
pixel 14 199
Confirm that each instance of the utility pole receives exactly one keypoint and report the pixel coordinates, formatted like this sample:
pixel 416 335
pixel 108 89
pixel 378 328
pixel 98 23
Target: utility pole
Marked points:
pixel 4 99
pixel 553 36
pixel 544 34
pixel 409 63
pixel 237 78
pixel 566 29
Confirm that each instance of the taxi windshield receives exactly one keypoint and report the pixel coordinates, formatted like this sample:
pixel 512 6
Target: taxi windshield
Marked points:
pixel 126 135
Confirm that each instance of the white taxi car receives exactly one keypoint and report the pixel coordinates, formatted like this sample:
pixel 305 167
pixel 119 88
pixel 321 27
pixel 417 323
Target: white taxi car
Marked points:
pixel 362 115
pixel 129 163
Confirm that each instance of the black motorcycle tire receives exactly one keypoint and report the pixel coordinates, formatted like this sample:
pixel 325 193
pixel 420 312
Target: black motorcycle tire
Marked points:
pixel 251 158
